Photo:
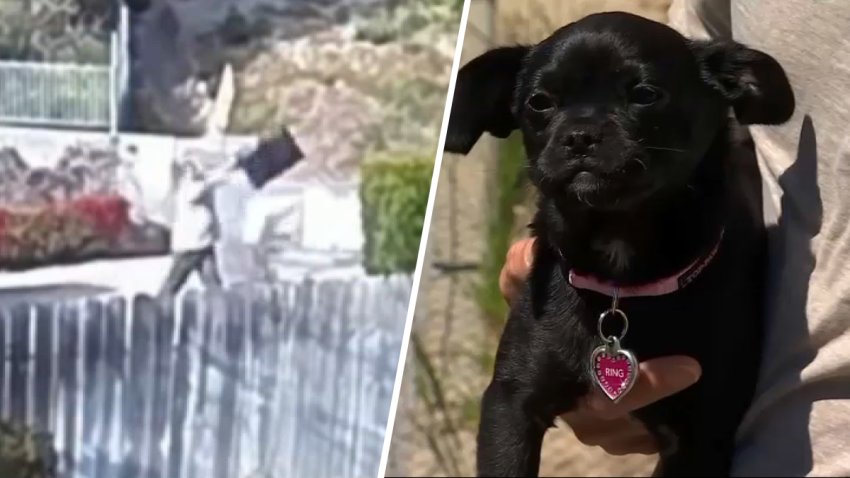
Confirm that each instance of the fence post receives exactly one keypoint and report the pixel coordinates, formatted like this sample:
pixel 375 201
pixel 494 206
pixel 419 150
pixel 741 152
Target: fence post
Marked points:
pixel 123 60
pixel 113 85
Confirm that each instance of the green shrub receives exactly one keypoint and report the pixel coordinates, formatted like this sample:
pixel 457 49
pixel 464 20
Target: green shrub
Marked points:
pixel 394 194
pixel 25 453
pixel 402 19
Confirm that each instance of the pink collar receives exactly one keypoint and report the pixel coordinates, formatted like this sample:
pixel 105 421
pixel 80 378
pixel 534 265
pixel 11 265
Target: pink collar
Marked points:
pixel 663 286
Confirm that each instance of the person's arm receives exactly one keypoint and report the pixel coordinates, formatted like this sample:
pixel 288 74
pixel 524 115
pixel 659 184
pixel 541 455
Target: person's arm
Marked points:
pixel 219 175
pixel 211 178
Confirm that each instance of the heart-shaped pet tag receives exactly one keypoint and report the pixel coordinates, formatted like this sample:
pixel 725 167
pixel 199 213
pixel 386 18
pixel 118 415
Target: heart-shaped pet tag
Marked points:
pixel 615 370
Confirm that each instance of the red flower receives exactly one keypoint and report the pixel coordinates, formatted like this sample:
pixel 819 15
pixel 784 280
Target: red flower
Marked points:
pixel 4 222
pixel 109 215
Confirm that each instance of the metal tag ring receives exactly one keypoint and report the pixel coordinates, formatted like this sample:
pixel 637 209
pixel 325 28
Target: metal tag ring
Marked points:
pixel 608 313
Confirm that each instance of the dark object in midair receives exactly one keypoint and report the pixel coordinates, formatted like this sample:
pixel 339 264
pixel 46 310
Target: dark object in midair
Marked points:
pixel 271 158
pixel 138 6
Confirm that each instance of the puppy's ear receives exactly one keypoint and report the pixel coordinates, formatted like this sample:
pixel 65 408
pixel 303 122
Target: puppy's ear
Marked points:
pixel 753 82
pixel 482 98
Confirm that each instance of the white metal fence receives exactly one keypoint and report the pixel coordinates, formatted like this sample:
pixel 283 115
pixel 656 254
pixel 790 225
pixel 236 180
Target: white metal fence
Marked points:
pixel 262 382
pixel 68 94
pixel 51 94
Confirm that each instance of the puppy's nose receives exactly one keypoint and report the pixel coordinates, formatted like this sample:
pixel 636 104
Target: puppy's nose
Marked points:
pixel 583 139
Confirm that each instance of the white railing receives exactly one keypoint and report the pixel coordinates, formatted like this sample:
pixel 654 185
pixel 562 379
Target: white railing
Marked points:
pixel 53 94
pixel 68 95
pixel 120 67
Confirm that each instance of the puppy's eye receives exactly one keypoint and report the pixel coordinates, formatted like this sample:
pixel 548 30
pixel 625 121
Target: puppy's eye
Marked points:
pixel 540 102
pixel 644 95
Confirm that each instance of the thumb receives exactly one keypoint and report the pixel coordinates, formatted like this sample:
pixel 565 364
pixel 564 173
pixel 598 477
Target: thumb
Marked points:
pixel 657 378
pixel 528 252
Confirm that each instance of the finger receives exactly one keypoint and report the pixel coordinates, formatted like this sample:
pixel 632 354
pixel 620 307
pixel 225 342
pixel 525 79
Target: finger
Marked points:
pixel 658 378
pixel 520 257
pixel 600 432
pixel 643 445
pixel 620 436
pixel 507 285
pixel 590 423
pixel 515 270
pixel 528 252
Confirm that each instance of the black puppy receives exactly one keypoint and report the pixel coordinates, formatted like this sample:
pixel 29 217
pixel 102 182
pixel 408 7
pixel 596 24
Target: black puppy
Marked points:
pixel 642 209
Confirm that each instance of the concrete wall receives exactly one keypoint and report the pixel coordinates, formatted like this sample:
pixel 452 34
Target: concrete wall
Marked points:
pixel 315 215
pixel 150 164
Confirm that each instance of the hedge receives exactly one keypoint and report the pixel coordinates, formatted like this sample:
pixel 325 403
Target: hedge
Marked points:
pixel 52 233
pixel 394 194
pixel 25 453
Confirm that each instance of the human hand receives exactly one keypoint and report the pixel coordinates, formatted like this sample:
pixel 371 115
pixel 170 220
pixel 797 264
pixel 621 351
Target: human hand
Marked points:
pixel 600 422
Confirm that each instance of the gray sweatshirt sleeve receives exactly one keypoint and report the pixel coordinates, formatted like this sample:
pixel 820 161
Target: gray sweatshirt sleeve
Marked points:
pixel 798 422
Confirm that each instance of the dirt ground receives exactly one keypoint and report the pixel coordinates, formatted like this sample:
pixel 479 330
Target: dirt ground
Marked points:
pixel 450 358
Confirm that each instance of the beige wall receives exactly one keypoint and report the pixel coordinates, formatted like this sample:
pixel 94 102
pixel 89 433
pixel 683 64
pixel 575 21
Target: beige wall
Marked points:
pixel 532 20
